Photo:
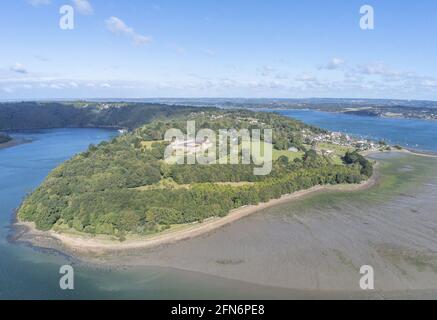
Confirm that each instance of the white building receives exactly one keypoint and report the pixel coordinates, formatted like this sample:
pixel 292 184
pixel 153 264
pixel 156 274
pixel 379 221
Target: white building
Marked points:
pixel 191 146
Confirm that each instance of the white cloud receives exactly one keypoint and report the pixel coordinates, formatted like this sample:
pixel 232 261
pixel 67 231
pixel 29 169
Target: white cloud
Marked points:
pixel 56 86
pixel 37 3
pixel 209 52
pixel 41 58
pixel 335 63
pixel 429 83
pixel 369 80
pixel 8 90
pixel 179 50
pixel 19 68
pixel 118 27
pixel 83 6
pixel 380 69
pixel 140 40
pixel 282 76
pixel 305 77
pixel 266 71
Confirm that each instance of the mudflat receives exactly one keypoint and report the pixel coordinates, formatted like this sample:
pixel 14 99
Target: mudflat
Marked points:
pixel 318 241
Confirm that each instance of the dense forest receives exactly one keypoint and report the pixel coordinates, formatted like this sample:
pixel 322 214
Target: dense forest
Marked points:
pixel 4 138
pixel 46 115
pixel 124 186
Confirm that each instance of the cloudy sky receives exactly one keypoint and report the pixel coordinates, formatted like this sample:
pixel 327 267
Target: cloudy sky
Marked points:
pixel 226 48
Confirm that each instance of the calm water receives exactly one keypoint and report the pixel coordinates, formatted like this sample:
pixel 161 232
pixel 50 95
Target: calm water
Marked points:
pixel 410 133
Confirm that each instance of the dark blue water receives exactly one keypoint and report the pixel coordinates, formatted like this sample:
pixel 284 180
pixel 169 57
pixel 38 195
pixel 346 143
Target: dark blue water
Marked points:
pixel 409 133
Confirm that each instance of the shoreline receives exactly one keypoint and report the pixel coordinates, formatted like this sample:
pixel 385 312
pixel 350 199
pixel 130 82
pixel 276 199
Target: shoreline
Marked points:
pixel 102 244
pixel 429 154
pixel 13 143
pixel 341 112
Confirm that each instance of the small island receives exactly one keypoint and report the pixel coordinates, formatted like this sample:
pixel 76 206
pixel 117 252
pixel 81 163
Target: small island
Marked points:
pixel 123 189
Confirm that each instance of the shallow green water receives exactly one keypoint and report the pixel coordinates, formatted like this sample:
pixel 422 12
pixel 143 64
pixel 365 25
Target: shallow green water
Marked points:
pixel 400 174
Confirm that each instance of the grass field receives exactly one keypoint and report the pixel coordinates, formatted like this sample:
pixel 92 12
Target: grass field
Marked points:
pixel 258 150
pixel 338 150
pixel 148 144
pixel 289 154
pixel 170 184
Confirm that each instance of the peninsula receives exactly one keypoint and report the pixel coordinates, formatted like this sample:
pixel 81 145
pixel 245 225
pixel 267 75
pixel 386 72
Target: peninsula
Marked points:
pixel 123 189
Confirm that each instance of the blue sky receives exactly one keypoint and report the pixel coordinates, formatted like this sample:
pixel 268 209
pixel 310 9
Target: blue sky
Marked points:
pixel 226 48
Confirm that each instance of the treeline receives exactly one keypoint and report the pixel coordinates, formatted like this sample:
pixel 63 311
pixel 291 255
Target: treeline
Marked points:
pixel 116 211
pixel 4 138
pixel 287 132
pixel 96 191
pixel 353 157
pixel 36 115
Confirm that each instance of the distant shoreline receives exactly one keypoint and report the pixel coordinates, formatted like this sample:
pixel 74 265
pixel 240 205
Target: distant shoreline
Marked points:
pixel 84 244
pixel 421 153
pixel 13 143
pixel 380 116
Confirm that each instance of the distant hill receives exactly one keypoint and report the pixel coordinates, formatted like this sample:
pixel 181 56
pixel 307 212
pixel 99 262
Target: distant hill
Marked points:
pixel 36 115
pixel 410 109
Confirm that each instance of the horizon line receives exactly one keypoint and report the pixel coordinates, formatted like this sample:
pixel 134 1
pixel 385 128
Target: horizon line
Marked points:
pixel 115 99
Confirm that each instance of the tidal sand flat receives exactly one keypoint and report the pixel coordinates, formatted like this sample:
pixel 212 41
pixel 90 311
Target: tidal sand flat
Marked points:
pixel 319 242
pixel 89 245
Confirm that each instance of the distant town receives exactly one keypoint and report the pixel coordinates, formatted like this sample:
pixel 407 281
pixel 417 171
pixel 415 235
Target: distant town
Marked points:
pixel 389 108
